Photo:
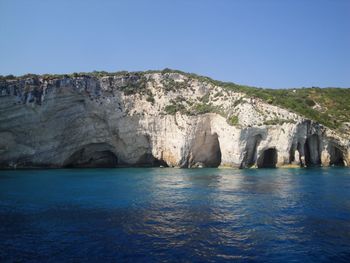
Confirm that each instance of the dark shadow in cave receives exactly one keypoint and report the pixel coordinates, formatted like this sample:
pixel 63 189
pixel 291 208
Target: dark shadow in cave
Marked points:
pixel 292 154
pixel 336 156
pixel 312 151
pixel 91 156
pixel 148 160
pixel 208 153
pixel 249 158
pixel 268 158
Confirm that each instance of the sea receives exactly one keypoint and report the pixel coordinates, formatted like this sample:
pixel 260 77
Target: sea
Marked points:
pixel 175 215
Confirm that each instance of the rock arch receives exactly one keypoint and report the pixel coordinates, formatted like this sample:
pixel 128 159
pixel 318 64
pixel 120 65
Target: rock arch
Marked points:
pixel 206 151
pixel 268 158
pixel 92 155
pixel 312 151
pixel 296 154
pixel 250 153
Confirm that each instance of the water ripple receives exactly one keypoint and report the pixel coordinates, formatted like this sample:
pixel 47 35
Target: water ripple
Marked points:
pixel 175 215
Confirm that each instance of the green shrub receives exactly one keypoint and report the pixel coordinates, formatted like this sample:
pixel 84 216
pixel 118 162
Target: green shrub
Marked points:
pixel 173 108
pixel 201 108
pixel 205 98
pixel 10 77
pixel 233 120
pixel 150 99
pixel 237 102
pixel 218 94
pixel 277 122
pixel 310 102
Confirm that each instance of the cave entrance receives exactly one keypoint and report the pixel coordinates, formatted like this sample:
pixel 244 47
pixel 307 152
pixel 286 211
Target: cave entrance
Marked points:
pixel 336 156
pixel 206 152
pixel 148 160
pixel 249 158
pixel 268 158
pixel 92 155
pixel 311 151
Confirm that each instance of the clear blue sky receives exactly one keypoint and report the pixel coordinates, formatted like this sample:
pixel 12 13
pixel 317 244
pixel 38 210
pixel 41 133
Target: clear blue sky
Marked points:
pixel 266 43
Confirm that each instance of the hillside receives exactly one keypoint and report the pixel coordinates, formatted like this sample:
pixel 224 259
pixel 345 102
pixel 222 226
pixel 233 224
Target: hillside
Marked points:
pixel 327 106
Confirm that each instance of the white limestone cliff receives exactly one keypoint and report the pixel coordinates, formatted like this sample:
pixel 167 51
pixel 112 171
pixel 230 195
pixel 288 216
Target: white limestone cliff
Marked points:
pixel 153 119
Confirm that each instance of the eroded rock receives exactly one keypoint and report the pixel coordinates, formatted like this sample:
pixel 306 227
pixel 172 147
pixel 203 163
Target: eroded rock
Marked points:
pixel 153 119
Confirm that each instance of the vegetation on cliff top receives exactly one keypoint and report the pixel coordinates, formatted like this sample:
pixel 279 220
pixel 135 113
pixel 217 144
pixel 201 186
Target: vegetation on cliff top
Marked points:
pixel 328 106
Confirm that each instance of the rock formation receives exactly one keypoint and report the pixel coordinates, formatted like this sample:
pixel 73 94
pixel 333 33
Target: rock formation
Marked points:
pixel 153 119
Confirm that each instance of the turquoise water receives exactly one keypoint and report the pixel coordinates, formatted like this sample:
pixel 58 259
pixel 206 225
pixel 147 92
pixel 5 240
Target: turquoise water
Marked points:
pixel 175 215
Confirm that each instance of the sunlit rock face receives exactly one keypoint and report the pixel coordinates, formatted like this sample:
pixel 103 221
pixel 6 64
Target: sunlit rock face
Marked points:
pixel 153 119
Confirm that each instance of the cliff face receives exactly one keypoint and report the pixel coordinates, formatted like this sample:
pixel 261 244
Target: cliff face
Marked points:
pixel 153 119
